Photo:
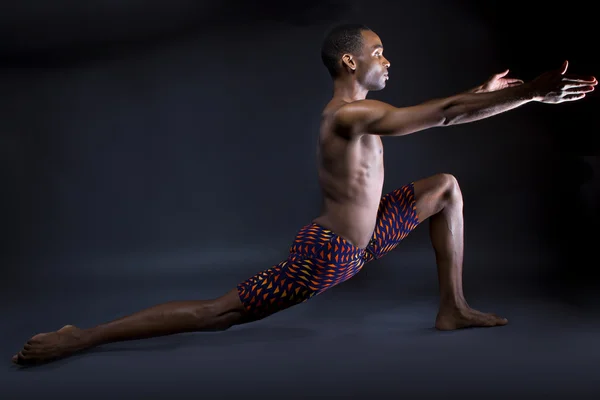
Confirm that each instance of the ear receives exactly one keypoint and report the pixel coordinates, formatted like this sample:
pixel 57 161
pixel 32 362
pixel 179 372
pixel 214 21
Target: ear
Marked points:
pixel 348 61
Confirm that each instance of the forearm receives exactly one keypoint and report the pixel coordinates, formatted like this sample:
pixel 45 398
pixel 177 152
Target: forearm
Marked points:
pixel 473 106
pixel 477 89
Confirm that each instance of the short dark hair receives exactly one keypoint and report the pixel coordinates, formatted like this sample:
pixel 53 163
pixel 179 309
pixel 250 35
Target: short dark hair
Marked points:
pixel 345 38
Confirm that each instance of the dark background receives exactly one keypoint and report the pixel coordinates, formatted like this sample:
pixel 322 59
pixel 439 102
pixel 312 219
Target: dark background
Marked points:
pixel 155 151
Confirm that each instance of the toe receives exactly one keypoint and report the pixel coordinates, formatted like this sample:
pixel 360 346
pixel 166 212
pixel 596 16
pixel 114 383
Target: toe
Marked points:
pixel 499 319
pixel 37 337
pixel 21 358
pixel 67 328
pixel 496 319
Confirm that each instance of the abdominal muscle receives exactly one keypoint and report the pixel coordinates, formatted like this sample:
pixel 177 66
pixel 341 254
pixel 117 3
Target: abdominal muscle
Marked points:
pixel 351 177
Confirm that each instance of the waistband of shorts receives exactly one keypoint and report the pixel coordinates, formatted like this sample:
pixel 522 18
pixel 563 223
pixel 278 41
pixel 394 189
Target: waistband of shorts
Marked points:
pixel 314 240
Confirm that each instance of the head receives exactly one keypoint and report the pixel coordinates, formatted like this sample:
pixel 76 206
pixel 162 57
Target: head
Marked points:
pixel 355 51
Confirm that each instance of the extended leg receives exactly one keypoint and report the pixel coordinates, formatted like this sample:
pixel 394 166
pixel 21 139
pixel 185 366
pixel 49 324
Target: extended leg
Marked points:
pixel 439 198
pixel 270 291
pixel 164 319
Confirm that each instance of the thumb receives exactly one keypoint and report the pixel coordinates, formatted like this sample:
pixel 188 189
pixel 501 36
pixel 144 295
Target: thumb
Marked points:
pixel 564 67
pixel 502 74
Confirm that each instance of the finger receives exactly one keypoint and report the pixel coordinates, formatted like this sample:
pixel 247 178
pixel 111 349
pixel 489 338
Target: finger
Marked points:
pixel 573 97
pixel 564 67
pixel 515 84
pixel 580 79
pixel 582 89
pixel 502 74
pixel 513 80
pixel 576 85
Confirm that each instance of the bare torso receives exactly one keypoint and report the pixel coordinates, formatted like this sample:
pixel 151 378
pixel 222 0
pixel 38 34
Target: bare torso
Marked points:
pixel 351 177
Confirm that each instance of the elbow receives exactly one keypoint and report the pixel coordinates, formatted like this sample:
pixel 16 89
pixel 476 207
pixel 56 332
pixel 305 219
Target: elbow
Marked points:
pixel 446 121
pixel 450 115
pixel 445 118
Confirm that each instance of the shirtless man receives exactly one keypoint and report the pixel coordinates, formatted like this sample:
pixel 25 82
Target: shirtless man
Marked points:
pixel 357 224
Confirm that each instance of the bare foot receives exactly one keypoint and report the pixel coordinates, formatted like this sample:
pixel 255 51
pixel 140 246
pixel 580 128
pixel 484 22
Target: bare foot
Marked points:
pixel 448 320
pixel 46 347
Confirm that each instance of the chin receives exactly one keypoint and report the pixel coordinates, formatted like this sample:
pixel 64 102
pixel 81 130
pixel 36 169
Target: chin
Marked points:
pixel 377 88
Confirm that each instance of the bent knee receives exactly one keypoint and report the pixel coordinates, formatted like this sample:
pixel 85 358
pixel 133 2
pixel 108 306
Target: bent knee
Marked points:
pixel 449 187
pixel 447 181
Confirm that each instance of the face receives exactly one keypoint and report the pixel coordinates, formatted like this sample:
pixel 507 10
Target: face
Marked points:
pixel 370 66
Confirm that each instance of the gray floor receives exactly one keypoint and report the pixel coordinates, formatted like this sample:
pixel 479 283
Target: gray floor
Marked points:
pixel 344 344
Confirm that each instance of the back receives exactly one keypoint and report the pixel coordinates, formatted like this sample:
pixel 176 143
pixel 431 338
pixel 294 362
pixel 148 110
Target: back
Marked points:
pixel 351 173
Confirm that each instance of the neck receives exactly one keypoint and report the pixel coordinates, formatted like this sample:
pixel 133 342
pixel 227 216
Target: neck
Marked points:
pixel 348 90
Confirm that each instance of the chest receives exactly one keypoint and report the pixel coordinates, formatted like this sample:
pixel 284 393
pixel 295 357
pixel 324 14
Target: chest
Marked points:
pixel 371 145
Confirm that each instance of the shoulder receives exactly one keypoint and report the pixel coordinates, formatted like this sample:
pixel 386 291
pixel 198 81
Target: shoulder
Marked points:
pixel 360 112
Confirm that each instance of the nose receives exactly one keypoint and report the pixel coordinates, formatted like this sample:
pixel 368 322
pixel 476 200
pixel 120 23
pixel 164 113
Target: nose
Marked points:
pixel 386 63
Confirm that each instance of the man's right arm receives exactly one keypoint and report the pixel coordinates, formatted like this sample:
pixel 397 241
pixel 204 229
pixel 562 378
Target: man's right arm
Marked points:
pixel 379 118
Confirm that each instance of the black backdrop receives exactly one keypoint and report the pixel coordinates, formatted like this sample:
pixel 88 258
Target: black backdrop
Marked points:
pixel 185 132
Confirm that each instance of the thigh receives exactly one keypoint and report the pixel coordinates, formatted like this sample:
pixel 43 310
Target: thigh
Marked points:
pixel 396 217
pixel 318 260
pixel 292 282
pixel 275 289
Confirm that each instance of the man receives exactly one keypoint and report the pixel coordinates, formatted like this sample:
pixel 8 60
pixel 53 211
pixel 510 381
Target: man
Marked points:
pixel 357 223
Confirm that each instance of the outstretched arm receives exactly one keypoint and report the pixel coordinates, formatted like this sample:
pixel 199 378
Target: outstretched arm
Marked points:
pixel 375 117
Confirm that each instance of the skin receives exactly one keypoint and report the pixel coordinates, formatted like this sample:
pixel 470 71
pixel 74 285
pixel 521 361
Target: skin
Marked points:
pixel 351 173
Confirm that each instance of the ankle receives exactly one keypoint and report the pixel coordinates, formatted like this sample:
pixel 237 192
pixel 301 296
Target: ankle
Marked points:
pixel 91 337
pixel 452 302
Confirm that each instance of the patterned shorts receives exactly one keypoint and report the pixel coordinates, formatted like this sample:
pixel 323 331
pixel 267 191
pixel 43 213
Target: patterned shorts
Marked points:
pixel 320 259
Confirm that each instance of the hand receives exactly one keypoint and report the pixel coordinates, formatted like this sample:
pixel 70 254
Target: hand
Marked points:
pixel 498 81
pixel 556 86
